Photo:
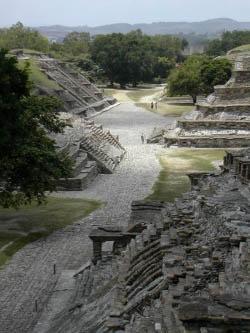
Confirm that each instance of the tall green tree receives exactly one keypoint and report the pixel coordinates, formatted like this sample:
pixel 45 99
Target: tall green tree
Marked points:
pixel 133 57
pixel 20 37
pixel 198 75
pixel 29 162
pixel 228 41
pixel 76 43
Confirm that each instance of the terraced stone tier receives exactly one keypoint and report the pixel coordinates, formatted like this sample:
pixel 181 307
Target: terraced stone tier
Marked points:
pixel 231 93
pixel 77 93
pixel 214 124
pixel 236 106
pixel 215 141
pixel 222 121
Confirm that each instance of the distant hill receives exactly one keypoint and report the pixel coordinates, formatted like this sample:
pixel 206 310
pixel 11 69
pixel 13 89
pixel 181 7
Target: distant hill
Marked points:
pixel 210 27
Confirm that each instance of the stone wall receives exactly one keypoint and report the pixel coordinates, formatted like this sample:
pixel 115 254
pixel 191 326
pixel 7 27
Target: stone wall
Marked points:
pixel 185 272
pixel 214 124
pixel 208 142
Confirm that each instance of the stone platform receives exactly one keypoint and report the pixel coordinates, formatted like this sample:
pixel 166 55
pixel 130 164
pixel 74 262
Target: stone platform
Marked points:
pixel 222 120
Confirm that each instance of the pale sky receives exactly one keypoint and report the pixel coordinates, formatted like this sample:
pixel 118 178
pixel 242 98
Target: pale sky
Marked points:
pixel 99 12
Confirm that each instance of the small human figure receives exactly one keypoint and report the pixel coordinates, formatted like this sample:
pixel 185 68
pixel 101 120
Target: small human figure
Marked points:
pixel 142 138
pixel 156 105
pixel 152 105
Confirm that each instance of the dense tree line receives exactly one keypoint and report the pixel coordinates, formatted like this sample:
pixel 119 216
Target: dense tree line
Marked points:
pixel 123 58
pixel 20 37
pixel 227 42
pixel 198 75
pixel 29 162
pixel 135 57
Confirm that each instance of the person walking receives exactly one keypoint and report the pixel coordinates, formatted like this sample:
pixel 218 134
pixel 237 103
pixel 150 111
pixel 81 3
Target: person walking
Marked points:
pixel 152 105
pixel 156 105
pixel 142 138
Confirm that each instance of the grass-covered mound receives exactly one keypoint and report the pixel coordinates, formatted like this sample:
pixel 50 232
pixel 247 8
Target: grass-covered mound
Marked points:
pixel 37 77
pixel 240 49
pixel 27 224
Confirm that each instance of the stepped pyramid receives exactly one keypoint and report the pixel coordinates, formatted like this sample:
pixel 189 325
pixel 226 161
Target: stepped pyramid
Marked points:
pixel 91 149
pixel 223 120
pixel 79 95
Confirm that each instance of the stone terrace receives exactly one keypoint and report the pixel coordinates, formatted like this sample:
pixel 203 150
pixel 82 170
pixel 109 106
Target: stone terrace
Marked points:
pixel 223 120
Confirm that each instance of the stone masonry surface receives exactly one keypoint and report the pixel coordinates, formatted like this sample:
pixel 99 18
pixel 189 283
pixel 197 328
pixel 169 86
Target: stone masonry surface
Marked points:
pixel 29 275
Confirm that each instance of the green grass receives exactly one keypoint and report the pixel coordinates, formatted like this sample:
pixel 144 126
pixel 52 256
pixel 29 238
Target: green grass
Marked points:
pixel 37 76
pixel 20 227
pixel 165 109
pixel 172 181
pixel 109 92
pixel 136 95
pixel 240 49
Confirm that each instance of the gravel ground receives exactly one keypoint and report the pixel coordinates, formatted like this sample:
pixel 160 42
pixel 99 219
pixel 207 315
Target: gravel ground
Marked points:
pixel 29 276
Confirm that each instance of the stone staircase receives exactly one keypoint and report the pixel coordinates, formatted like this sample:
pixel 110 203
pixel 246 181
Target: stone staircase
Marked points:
pixel 103 148
pixel 223 120
pixel 105 163
pixel 79 95
pixel 83 173
pixel 98 132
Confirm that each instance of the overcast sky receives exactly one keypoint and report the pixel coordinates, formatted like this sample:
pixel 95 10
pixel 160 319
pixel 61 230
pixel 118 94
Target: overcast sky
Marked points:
pixel 98 12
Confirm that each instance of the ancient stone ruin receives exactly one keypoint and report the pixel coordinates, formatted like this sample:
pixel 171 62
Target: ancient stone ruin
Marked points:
pixel 223 120
pixel 92 149
pixel 177 267
pixel 79 95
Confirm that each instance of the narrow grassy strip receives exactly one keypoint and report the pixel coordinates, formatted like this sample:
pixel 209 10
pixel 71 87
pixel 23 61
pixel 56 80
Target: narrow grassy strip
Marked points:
pixel 21 227
pixel 176 163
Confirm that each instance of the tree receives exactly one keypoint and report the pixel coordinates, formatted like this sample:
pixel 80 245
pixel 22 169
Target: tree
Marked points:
pixel 106 52
pixel 139 56
pixel 20 37
pixel 163 67
pixel 133 57
pixel 29 162
pixel 214 72
pixel 228 41
pixel 76 43
pixel 198 75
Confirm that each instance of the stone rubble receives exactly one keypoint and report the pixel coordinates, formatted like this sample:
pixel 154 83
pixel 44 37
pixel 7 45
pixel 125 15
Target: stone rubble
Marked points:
pixel 186 270
pixel 223 120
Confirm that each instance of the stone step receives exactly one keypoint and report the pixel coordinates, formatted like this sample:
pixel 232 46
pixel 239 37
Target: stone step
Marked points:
pixel 81 181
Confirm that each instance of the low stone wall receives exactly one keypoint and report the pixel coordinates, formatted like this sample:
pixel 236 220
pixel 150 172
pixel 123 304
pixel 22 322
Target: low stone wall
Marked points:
pixel 208 142
pixel 230 93
pixel 214 124
pixel 212 109
pixel 241 77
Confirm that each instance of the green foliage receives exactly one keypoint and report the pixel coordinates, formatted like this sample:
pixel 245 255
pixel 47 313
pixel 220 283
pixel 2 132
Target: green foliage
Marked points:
pixel 135 57
pixel 20 37
pixel 198 75
pixel 227 42
pixel 77 43
pixel 163 67
pixel 214 72
pixel 74 44
pixel 36 75
pixel 29 163
pixel 36 221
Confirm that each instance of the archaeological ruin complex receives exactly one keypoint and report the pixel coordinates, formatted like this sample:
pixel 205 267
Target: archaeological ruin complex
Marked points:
pixel 92 149
pixel 223 120
pixel 177 267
